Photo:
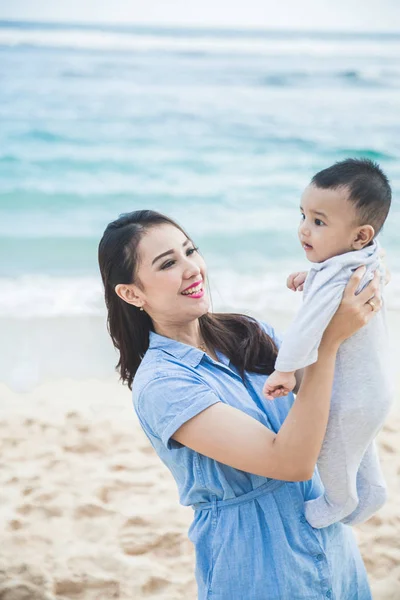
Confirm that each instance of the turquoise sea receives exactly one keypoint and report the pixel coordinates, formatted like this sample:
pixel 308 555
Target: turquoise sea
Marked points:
pixel 219 129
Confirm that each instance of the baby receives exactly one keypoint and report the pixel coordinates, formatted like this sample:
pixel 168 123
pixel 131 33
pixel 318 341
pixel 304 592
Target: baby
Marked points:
pixel 342 211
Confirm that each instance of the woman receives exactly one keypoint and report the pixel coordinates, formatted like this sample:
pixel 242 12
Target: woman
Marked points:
pixel 244 464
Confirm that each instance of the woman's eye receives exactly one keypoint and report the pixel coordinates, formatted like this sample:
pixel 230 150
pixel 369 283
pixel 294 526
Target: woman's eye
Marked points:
pixel 169 263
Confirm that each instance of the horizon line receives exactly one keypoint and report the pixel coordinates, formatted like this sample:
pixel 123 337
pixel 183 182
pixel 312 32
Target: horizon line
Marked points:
pixel 194 26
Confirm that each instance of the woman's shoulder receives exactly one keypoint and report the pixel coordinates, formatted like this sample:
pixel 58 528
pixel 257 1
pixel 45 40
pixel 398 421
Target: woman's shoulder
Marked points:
pixel 158 367
pixel 155 365
pixel 166 392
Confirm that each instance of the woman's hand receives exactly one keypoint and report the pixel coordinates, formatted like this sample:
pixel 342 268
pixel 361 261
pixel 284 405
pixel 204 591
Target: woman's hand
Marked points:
pixel 354 311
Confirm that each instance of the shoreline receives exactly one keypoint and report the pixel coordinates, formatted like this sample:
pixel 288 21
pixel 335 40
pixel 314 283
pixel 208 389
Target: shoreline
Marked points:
pixel 39 349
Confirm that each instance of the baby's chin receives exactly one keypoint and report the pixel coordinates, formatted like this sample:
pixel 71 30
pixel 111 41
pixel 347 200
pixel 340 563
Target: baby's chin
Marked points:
pixel 314 257
pixel 317 258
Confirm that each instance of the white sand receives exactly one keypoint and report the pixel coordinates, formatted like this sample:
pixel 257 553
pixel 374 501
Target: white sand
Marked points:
pixel 90 513
pixel 88 510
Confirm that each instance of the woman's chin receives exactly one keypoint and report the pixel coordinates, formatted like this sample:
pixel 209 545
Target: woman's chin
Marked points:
pixel 199 308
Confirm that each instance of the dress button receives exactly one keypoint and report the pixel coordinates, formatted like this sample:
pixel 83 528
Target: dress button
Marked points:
pixel 320 557
pixel 329 594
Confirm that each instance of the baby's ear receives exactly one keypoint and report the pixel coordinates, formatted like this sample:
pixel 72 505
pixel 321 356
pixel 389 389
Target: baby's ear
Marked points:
pixel 364 235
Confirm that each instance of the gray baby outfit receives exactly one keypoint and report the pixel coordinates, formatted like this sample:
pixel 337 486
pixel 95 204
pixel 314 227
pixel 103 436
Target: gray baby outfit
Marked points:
pixel 361 396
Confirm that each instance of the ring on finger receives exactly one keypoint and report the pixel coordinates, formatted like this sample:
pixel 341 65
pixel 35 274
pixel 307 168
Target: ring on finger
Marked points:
pixel 372 304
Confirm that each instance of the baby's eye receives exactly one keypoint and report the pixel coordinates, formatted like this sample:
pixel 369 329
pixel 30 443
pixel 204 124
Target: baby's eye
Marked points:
pixel 302 216
pixel 319 222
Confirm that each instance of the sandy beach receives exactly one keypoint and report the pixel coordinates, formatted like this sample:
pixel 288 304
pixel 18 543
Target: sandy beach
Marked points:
pixel 88 512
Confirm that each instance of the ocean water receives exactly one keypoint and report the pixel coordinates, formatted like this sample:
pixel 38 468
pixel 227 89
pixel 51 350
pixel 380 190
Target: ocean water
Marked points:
pixel 221 130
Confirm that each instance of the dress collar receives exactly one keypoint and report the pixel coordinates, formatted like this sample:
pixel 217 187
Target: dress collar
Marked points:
pixel 183 352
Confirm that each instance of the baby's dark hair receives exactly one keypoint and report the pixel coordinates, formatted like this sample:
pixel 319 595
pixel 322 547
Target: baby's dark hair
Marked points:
pixel 368 186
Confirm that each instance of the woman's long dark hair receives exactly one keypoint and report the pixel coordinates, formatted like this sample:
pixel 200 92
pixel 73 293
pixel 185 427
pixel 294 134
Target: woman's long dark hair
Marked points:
pixel 239 337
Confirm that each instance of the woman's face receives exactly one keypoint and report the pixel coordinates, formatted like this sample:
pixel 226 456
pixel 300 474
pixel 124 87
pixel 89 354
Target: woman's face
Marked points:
pixel 170 279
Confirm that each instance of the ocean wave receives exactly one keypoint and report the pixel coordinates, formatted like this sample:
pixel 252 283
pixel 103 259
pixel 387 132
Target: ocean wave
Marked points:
pixel 374 78
pixel 42 135
pixel 91 39
pixel 9 159
pixel 43 296
pixel 372 154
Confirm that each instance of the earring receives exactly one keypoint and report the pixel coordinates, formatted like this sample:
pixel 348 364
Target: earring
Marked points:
pixel 141 308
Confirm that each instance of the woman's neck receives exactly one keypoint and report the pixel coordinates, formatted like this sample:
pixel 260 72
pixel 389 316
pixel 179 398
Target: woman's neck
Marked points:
pixel 186 333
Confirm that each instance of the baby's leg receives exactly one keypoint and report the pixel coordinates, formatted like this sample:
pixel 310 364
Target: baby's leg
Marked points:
pixel 371 487
pixel 338 463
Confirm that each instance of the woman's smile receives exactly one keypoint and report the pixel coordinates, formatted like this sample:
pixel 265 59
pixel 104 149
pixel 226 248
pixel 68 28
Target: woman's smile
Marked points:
pixel 196 290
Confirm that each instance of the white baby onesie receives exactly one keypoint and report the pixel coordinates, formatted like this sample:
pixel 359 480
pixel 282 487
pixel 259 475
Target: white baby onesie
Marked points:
pixel 361 396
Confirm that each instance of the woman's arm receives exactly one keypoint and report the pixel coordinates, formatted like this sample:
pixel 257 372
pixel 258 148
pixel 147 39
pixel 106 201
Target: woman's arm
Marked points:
pixel 232 437
pixel 299 378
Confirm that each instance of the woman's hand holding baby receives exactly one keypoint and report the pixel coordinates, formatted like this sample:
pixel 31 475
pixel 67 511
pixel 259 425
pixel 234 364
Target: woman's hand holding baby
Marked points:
pixel 355 310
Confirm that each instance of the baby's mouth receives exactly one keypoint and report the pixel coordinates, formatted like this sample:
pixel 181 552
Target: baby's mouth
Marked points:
pixel 307 246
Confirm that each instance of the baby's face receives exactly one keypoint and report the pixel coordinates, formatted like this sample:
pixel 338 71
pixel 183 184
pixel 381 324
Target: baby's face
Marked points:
pixel 328 223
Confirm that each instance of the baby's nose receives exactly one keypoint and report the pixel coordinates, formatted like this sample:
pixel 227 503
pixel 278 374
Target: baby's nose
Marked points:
pixel 304 229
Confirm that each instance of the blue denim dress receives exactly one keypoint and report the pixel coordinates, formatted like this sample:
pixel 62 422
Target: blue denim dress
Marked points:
pixel 251 538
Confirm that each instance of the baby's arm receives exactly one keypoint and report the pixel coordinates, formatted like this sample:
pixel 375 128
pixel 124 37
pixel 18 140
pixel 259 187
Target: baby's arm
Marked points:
pixel 323 295
pixel 279 384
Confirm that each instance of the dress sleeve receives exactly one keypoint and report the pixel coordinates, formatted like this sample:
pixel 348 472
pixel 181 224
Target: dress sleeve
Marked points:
pixel 168 401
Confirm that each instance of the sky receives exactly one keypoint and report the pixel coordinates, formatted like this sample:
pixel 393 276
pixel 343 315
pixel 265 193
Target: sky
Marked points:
pixel 336 15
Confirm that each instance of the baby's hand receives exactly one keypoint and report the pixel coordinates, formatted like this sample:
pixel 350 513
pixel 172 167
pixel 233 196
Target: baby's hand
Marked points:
pixel 279 384
pixel 295 281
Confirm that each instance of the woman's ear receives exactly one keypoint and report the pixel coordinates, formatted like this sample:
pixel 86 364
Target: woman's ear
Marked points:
pixel 364 235
pixel 129 294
